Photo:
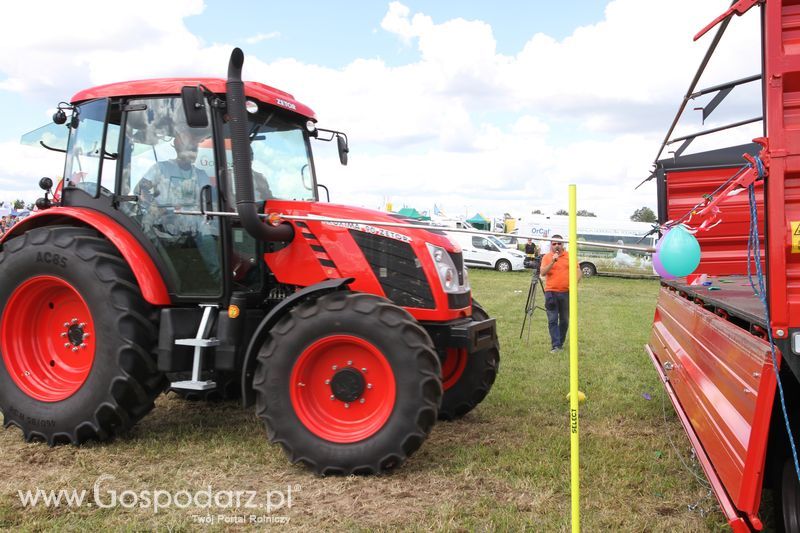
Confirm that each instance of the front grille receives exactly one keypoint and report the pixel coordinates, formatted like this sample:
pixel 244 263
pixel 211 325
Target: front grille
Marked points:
pixel 458 261
pixel 459 301
pixel 397 268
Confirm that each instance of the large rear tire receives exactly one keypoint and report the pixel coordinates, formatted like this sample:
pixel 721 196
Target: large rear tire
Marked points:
pixel 468 379
pixel 348 384
pixel 76 338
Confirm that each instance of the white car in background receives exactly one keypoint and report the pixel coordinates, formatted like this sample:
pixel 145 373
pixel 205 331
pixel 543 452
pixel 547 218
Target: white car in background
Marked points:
pixel 487 251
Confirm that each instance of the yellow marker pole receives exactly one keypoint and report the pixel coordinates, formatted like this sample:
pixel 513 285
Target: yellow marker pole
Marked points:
pixel 573 361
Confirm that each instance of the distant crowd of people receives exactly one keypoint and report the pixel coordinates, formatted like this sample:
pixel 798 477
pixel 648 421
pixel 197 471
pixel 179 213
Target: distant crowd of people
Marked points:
pixel 6 223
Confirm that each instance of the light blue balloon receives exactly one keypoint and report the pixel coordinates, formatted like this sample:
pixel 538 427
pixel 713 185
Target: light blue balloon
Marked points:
pixel 680 252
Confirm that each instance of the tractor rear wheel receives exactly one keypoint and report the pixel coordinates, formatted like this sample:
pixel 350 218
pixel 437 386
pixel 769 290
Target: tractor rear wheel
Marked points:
pixel 789 498
pixel 467 379
pixel 348 384
pixel 76 338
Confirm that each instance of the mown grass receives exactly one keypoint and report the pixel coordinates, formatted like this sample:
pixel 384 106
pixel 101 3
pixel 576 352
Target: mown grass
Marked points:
pixel 505 466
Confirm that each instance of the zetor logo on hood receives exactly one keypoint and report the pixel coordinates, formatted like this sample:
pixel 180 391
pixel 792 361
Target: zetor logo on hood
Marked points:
pixel 372 230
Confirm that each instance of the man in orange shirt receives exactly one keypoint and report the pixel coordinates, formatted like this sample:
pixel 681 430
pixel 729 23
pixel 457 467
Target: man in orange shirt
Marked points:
pixel 555 271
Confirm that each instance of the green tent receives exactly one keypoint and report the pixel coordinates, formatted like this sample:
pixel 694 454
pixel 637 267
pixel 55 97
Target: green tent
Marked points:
pixel 410 212
pixel 480 222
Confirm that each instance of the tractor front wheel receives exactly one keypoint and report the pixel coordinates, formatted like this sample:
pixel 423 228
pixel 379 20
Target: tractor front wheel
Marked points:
pixel 348 384
pixel 467 379
pixel 75 338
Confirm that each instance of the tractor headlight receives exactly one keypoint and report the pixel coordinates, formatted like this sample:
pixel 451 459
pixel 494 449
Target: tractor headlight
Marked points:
pixel 446 269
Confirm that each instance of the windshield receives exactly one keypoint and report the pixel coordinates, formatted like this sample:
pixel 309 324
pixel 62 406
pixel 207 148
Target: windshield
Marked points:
pixel 500 244
pixel 53 136
pixel 281 159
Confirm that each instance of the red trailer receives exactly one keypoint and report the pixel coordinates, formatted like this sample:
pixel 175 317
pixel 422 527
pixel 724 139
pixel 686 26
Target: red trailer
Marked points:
pixel 716 346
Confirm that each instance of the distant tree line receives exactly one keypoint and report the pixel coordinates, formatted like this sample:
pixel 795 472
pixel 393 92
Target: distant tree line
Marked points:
pixel 643 214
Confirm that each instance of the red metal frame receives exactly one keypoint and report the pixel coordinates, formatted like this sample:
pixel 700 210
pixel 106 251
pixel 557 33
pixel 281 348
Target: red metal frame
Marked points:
pixel 724 246
pixel 721 378
pixel 172 86
pixel 723 384
pixel 782 113
pixel 736 522
pixel 152 285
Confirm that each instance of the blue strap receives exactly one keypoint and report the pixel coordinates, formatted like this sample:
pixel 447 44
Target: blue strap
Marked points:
pixel 754 254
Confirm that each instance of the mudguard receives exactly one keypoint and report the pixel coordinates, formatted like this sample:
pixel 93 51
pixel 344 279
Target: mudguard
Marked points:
pixel 149 279
pixel 262 331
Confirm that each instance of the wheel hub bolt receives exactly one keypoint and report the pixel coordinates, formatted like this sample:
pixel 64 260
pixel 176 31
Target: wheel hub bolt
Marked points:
pixel 74 320
pixel 74 348
pixel 369 385
pixel 361 400
pixel 327 382
pixel 333 397
pixel 349 363
pixel 83 345
pixel 82 325
pixel 334 367
pixel 364 370
pixel 67 345
pixel 301 384
pixel 347 406
pixel 63 334
pixel 66 324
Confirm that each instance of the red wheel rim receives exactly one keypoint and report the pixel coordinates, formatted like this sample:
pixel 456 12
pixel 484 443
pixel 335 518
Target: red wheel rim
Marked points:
pixel 326 363
pixel 453 367
pixel 47 338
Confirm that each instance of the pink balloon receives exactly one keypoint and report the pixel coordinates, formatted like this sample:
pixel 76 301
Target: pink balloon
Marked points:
pixel 661 240
pixel 659 268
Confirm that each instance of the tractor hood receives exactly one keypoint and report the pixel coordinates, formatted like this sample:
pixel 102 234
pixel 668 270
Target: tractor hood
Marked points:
pixel 419 269
pixel 435 237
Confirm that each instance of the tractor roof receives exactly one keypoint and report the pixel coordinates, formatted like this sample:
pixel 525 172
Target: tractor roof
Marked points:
pixel 172 86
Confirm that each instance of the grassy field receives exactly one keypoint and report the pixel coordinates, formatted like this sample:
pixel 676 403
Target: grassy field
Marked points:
pixel 505 466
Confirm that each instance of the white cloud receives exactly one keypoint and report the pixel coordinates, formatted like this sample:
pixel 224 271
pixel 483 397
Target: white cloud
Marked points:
pixel 262 37
pixel 23 166
pixel 53 55
pixel 463 126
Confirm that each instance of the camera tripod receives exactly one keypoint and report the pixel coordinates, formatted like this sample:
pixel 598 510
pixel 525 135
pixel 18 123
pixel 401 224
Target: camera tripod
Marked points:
pixel 530 304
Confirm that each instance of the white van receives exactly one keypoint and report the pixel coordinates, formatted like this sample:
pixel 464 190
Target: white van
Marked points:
pixel 487 251
pixel 592 259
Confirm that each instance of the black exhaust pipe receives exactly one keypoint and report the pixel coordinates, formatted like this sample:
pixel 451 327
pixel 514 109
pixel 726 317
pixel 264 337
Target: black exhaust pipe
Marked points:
pixel 240 148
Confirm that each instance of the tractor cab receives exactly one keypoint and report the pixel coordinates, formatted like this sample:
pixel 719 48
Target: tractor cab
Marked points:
pixel 135 153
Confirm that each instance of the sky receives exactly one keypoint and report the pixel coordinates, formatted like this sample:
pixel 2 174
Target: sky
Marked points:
pixel 468 105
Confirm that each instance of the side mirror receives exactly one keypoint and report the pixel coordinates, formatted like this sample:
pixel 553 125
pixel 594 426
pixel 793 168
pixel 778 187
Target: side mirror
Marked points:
pixel 59 117
pixel 341 142
pixel 194 107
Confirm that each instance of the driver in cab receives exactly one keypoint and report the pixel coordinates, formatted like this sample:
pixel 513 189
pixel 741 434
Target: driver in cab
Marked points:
pixel 172 186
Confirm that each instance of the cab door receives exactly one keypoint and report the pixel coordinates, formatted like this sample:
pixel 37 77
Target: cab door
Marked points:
pixel 164 176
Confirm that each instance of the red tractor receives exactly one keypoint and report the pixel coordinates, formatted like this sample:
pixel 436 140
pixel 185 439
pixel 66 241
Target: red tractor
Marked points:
pixel 163 259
